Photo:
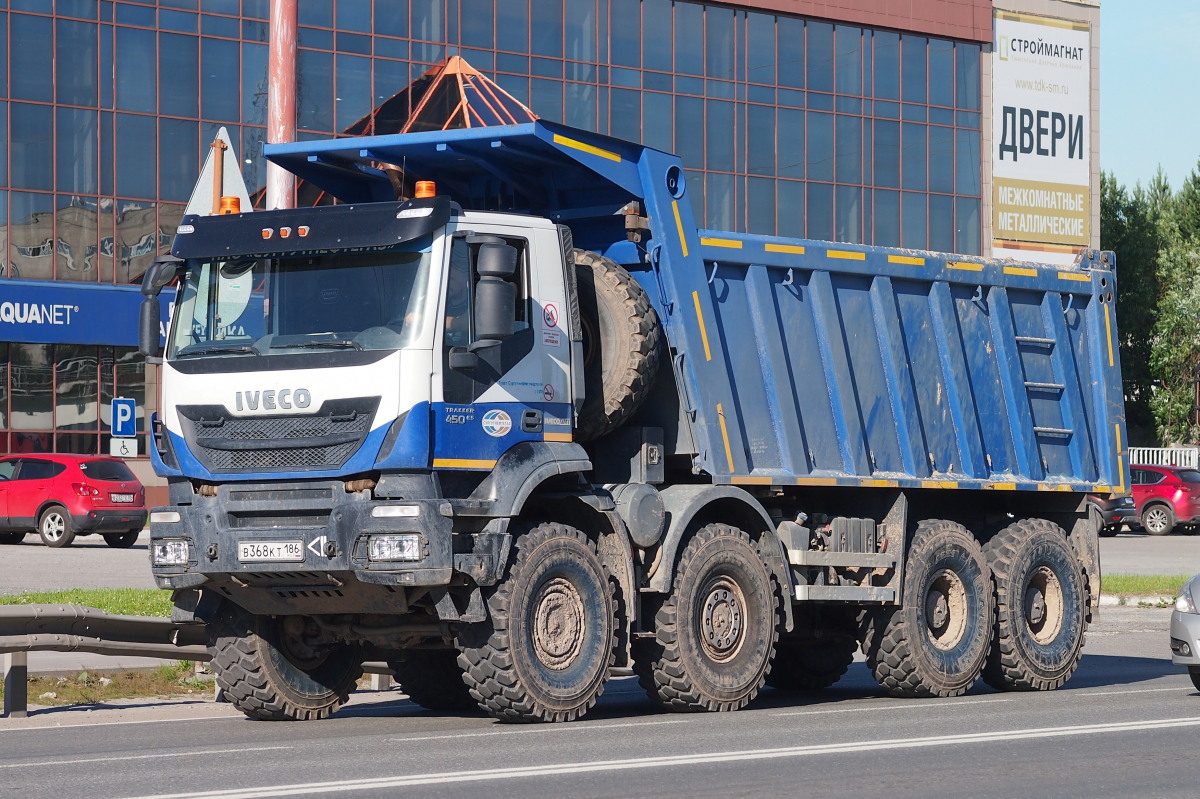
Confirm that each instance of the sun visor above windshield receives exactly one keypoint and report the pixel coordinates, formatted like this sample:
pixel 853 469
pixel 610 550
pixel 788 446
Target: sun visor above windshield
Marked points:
pixel 371 226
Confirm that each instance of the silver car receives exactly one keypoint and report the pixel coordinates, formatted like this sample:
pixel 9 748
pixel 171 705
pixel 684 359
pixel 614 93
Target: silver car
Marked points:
pixel 1185 629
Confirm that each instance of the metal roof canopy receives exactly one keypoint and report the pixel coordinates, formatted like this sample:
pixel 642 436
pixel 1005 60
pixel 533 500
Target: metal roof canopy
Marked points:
pixel 538 168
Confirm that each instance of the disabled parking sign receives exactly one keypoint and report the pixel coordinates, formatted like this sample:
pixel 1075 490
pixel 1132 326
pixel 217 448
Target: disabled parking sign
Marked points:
pixel 124 418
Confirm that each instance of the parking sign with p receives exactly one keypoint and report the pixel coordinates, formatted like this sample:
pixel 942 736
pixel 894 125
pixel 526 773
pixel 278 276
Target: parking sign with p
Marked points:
pixel 124 418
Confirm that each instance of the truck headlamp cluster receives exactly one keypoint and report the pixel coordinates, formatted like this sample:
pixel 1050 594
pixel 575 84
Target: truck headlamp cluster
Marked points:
pixel 171 552
pixel 404 547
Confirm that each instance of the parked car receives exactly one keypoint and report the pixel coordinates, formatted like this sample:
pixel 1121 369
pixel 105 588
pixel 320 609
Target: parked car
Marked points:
pixel 1185 630
pixel 1166 497
pixel 1116 510
pixel 62 496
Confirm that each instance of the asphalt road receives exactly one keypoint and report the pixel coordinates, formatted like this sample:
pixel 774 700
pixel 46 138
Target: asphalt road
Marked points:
pixel 1122 727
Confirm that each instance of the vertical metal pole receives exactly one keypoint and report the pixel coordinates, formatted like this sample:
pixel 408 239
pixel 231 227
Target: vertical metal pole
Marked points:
pixel 16 685
pixel 281 99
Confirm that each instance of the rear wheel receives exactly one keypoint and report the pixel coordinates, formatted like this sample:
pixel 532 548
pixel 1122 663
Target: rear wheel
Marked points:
pixel 122 540
pixel 1158 520
pixel 433 679
pixel 11 538
pixel 1041 607
pixel 271 669
pixel 55 528
pixel 936 642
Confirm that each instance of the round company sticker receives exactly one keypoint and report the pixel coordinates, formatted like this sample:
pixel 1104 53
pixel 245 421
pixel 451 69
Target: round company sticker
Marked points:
pixel 496 423
pixel 550 315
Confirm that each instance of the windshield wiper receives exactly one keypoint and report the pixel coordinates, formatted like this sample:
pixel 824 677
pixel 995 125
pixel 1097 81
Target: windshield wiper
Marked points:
pixel 338 343
pixel 213 349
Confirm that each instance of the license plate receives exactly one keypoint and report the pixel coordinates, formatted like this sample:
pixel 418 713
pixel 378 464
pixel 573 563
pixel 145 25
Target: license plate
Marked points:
pixel 121 497
pixel 259 551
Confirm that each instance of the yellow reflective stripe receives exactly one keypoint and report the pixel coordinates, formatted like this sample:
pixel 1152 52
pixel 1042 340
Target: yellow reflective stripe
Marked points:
pixel 879 483
pixel 847 255
pixel 816 481
pixel 1003 486
pixel 725 435
pixel 557 437
pixel 752 481
pixel 969 267
pixel 733 244
pixel 700 319
pixel 462 463
pixel 1108 328
pixel 1120 468
pixel 906 259
pixel 679 227
pixel 1020 270
pixel 792 248
pixel 1078 276
pixel 587 148
pixel 939 484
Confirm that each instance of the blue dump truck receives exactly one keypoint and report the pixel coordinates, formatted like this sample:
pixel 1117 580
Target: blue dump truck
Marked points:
pixel 505 419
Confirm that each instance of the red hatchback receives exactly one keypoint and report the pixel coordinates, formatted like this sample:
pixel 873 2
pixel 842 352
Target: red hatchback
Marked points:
pixel 62 496
pixel 1166 496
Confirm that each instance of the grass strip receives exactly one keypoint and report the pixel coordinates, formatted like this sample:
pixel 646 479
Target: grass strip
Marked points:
pixel 1130 585
pixel 119 601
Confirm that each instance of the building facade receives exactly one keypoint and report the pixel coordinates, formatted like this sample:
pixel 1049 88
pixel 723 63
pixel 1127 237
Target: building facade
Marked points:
pixel 860 121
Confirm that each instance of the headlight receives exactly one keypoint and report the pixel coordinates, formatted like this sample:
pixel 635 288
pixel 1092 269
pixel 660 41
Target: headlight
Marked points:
pixel 169 553
pixel 1184 603
pixel 394 547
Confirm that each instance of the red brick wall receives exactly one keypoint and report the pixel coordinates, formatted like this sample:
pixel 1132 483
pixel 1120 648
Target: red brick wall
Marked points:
pixel 955 19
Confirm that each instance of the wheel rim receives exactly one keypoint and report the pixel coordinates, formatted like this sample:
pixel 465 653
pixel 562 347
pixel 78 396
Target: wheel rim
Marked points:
pixel 558 629
pixel 1044 605
pixel 946 610
pixel 722 617
pixel 1156 520
pixel 53 527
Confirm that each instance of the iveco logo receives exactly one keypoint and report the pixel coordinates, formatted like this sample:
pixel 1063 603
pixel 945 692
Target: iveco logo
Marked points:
pixel 283 399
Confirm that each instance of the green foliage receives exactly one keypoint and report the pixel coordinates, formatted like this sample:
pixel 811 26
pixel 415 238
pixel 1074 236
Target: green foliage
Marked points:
pixel 119 601
pixel 1129 585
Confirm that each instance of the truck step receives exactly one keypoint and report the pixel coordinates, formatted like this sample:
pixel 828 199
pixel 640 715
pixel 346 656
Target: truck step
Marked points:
pixel 812 557
pixel 844 593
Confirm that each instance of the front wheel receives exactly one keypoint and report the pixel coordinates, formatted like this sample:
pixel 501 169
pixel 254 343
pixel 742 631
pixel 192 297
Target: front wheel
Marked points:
pixel 936 642
pixel 545 651
pixel 55 527
pixel 1194 673
pixel 270 668
pixel 121 540
pixel 1158 520
pixel 715 634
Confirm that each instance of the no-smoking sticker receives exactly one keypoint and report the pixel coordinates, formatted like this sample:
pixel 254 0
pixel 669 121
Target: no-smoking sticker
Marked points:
pixel 548 392
pixel 550 315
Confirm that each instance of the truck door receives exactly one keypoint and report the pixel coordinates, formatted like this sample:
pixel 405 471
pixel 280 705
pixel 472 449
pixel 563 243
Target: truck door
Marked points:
pixel 507 396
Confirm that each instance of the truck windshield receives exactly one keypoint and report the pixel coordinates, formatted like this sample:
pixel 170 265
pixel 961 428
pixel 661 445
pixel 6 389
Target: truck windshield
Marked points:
pixel 260 307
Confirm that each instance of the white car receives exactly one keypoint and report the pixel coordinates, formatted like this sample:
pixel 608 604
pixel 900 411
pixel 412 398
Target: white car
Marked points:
pixel 1185 629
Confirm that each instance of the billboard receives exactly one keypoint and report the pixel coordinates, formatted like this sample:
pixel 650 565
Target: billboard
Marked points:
pixel 1041 138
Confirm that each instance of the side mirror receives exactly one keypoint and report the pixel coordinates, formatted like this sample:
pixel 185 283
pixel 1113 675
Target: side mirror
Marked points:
pixel 149 322
pixel 164 269
pixel 495 296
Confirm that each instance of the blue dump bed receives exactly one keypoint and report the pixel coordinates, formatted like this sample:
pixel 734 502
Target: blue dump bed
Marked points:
pixel 804 362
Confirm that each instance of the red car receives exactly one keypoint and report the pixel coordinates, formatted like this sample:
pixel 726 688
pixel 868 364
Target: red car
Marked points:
pixel 1166 496
pixel 62 496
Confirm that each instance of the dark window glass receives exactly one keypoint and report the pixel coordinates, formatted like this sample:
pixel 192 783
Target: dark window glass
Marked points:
pixel 178 149
pixel 31 142
pixel 131 379
pixel 626 122
pixel 256 9
pixel 887 65
pixel 390 78
pixel 135 15
pixel 178 21
pixel 916 220
pixel 657 35
pixel 966 153
pixel 760 48
pixel 719 136
pixel 391 19
pixel 8 466
pixel 580 110
pixel 76 443
pixel 353 90
pixel 254 84
pixel 318 15
pixel 219 26
pixel 791 208
pixel 254 166
pixel 849 214
pixel 75 238
pixel 819 152
pixel 478 24
pixel 967 73
pixel 849 145
pixel 137 175
pixel 820 211
pixel 512 26
pixel 179 62
pixel 315 39
pixel 626 46
pixel 353 43
pixel 689 32
pixel 719 27
pixel 760 206
pixel 137 63
pixel 791 52
pixel 791 143
pixel 76 43
pixel 547 28
pixel 887 218
pixel 941 223
pixel 819 64
pixel 40 470
pixel 219 88
pixel 966 222
pixel 76 388
pixel 546 98
pixel 658 129
pixel 941 159
pixel 32 394
pixel 760 141
pixel 914 168
pixel 849 60
pixel 32 54
pixel 77 166
pixel 31 252
pixel 689 131
pixel 85 9
pixel 107 470
pixel 941 72
pixel 354 16
pixel 914 76
pixel 581 30
pixel 314 81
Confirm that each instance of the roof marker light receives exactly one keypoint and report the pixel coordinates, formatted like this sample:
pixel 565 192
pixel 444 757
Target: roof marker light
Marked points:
pixel 426 188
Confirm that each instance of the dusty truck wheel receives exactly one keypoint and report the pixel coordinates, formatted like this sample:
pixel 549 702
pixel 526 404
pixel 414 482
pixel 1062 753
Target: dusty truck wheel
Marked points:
pixel 621 338
pixel 545 652
pixel 433 679
pixel 716 632
pixel 265 668
pixel 936 642
pixel 1041 608
pixel 810 664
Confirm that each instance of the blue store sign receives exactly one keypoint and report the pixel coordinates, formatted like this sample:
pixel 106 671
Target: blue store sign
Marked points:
pixel 39 312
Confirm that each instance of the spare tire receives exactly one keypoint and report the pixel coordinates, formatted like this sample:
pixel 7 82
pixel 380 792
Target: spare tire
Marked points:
pixel 621 342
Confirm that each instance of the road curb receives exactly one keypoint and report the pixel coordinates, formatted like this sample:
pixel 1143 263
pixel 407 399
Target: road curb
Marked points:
pixel 1112 600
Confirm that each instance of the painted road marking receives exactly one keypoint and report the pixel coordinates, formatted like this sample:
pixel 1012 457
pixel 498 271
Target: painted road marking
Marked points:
pixel 531 730
pixel 899 706
pixel 122 758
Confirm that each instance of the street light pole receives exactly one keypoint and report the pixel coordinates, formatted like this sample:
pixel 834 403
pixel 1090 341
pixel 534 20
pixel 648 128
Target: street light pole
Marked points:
pixel 281 99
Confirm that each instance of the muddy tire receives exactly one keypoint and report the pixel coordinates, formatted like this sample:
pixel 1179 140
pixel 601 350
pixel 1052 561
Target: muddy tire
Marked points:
pixel 433 679
pixel 55 528
pixel 936 642
pixel 810 664
pixel 621 343
pixel 715 635
pixel 1041 608
pixel 264 670
pixel 545 652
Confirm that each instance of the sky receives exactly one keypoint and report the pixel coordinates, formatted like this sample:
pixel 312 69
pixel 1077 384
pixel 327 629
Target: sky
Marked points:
pixel 1149 89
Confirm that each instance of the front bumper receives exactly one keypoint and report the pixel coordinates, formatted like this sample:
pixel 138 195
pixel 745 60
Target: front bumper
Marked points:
pixel 1185 638
pixel 109 520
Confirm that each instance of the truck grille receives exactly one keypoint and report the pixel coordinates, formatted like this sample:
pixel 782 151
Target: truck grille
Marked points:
pixel 326 439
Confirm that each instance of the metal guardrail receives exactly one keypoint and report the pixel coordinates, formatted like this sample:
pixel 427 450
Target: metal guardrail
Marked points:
pixel 75 628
